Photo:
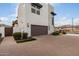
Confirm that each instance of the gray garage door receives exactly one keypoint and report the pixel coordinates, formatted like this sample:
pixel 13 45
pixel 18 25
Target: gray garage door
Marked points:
pixel 39 30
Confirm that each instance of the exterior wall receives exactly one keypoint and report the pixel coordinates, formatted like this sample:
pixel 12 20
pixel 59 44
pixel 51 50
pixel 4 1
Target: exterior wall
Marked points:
pixel 2 30
pixel 16 29
pixel 26 18
pixel 35 19
pixel 22 20
pixel 50 16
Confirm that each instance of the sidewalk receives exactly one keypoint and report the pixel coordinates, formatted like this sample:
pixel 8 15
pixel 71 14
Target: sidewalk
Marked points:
pixel 72 34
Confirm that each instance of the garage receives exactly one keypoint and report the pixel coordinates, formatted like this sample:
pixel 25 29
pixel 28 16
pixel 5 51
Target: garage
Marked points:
pixel 39 30
pixel 8 31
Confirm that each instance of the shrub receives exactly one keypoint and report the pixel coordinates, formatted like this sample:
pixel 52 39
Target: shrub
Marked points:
pixel 0 35
pixel 64 32
pixel 17 35
pixel 30 38
pixel 56 33
pixel 25 35
pixel 26 40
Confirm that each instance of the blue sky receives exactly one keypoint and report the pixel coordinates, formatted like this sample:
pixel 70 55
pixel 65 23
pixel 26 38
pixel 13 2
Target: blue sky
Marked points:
pixel 65 12
pixel 8 12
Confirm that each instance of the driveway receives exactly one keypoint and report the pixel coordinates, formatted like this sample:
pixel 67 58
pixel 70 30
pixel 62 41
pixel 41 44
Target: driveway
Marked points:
pixel 43 46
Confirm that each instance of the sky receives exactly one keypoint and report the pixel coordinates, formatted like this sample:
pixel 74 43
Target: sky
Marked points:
pixel 8 12
pixel 65 12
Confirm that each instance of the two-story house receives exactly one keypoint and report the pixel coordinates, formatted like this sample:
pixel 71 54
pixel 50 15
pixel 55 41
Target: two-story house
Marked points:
pixel 35 19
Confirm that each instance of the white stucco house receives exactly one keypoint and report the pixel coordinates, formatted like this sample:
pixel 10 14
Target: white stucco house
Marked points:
pixel 35 19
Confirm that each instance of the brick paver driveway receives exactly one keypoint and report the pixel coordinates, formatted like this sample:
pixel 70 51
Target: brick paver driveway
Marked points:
pixel 43 46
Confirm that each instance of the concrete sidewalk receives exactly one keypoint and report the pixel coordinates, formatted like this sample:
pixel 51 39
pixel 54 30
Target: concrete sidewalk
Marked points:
pixel 72 34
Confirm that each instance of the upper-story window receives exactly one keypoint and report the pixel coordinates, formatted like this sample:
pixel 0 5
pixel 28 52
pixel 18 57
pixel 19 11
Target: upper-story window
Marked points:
pixel 36 8
pixel 33 10
pixel 38 12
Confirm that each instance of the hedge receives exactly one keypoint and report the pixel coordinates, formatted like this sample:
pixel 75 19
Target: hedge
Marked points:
pixel 56 33
pixel 17 35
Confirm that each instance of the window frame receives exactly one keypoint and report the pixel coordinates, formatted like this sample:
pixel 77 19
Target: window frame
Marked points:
pixel 38 12
pixel 33 10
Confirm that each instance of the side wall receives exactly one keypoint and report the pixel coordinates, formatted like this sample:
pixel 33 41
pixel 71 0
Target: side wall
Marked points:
pixel 22 20
pixel 35 19
pixel 2 31
pixel 50 18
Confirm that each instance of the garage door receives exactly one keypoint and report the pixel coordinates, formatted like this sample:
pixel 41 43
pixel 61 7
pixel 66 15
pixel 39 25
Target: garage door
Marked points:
pixel 8 31
pixel 39 30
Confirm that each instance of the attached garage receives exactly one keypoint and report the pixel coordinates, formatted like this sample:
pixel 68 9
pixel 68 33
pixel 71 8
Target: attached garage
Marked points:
pixel 39 30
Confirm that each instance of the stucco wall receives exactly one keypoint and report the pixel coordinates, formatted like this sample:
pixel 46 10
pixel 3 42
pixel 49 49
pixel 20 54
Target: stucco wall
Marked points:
pixel 35 19
pixel 2 31
pixel 50 16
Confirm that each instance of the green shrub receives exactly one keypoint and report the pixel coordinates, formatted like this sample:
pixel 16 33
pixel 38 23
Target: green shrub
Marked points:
pixel 0 35
pixel 25 35
pixel 31 38
pixel 26 40
pixel 56 33
pixel 17 35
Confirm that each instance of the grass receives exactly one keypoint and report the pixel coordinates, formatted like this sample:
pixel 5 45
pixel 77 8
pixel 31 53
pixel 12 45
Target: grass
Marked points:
pixel 25 40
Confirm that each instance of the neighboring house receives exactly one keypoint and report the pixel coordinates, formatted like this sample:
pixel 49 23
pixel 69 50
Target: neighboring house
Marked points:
pixel 68 28
pixel 35 19
pixel 5 30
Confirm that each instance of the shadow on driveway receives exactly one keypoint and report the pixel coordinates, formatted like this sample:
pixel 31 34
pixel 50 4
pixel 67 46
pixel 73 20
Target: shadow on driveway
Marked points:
pixel 1 39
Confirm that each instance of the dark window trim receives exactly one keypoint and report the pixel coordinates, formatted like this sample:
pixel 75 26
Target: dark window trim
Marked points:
pixel 33 10
pixel 38 5
pixel 38 12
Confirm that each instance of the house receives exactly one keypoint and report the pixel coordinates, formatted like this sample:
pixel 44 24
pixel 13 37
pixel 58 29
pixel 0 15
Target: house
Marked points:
pixel 68 28
pixel 35 19
pixel 5 30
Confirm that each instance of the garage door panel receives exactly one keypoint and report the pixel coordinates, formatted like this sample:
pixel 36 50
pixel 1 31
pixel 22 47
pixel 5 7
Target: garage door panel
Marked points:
pixel 39 30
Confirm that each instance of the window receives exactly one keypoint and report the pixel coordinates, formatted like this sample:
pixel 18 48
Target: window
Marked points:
pixel 33 10
pixel 38 12
pixel 52 20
